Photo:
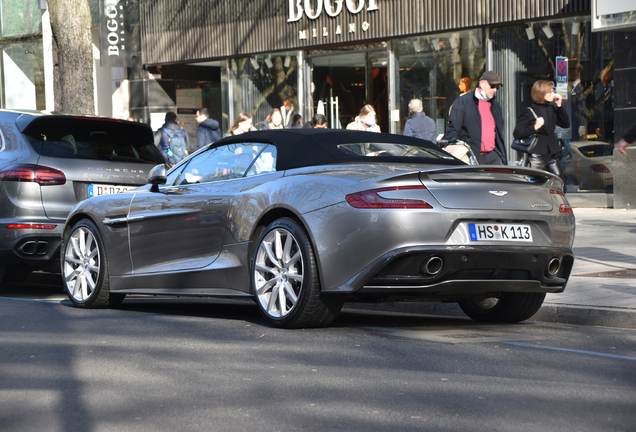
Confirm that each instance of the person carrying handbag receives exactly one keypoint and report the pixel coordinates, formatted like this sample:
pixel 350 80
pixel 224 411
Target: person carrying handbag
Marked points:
pixel 550 113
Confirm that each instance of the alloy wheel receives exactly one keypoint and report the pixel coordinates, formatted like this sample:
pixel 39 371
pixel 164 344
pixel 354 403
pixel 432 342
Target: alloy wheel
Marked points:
pixel 278 273
pixel 81 264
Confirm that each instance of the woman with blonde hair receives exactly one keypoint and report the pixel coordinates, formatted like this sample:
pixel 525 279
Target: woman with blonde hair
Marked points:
pixel 365 121
pixel 242 124
pixel 544 114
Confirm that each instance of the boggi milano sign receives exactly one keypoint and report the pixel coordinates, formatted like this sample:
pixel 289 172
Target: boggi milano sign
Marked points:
pixel 114 34
pixel 312 9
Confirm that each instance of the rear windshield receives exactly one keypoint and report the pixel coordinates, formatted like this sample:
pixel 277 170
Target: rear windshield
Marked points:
pixel 93 139
pixel 596 150
pixel 392 149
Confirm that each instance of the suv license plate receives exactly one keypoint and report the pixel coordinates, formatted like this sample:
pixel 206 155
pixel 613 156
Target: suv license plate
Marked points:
pixel 104 189
pixel 500 232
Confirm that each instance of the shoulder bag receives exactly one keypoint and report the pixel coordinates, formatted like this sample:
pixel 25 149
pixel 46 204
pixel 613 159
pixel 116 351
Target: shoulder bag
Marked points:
pixel 527 144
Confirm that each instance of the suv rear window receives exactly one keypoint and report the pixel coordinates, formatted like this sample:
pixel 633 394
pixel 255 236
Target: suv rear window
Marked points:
pixel 82 138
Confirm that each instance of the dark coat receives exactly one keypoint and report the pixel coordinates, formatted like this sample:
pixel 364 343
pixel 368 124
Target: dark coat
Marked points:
pixel 553 116
pixel 464 124
pixel 208 132
pixel 421 126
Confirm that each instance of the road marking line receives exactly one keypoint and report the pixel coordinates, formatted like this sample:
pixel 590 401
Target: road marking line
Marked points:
pixel 527 345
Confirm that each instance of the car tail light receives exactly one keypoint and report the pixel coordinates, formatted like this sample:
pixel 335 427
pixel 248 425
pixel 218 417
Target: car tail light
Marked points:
pixel 600 168
pixel 44 176
pixel 565 208
pixel 30 226
pixel 506 170
pixel 371 200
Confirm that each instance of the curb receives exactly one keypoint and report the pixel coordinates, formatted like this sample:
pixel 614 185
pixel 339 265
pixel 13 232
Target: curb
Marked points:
pixel 549 312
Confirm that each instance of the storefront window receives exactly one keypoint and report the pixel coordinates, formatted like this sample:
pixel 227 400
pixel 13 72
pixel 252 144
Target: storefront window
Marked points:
pixel 431 67
pixel 345 79
pixel 20 17
pixel 23 75
pixel 258 84
pixel 527 53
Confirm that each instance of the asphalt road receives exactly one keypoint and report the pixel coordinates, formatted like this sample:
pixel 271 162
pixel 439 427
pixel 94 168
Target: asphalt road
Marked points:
pixel 210 365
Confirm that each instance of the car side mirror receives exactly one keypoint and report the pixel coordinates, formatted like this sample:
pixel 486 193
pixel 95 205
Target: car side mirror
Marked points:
pixel 158 176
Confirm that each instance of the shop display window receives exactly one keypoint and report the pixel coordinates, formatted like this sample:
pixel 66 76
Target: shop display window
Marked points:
pixel 431 68
pixel 20 17
pixel 258 84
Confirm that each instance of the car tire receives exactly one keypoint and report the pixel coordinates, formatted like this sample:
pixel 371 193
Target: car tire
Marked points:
pixel 508 307
pixel 85 268
pixel 285 279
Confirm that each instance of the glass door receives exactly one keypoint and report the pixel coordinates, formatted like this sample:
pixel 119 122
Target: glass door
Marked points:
pixel 343 82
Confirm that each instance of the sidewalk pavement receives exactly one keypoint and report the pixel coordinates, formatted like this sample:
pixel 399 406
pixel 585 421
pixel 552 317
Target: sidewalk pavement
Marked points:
pixel 602 287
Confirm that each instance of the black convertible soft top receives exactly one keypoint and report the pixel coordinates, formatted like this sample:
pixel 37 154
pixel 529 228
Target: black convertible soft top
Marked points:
pixel 298 148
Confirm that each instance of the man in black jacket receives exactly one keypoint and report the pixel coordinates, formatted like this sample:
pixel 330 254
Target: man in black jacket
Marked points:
pixel 208 130
pixel 476 118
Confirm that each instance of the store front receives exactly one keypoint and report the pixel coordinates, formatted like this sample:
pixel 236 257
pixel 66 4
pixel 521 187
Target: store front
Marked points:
pixel 22 60
pixel 335 57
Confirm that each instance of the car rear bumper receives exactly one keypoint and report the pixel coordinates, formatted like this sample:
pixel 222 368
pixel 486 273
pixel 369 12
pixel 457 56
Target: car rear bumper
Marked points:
pixel 35 246
pixel 441 272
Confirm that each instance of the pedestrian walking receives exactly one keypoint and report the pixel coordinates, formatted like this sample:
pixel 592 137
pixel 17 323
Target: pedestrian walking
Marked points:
pixel 318 122
pixel 287 111
pixel 476 118
pixel 419 125
pixel 208 130
pixel 365 121
pixel 172 140
pixel 273 121
pixel 464 85
pixel 242 124
pixel 297 122
pixel 546 111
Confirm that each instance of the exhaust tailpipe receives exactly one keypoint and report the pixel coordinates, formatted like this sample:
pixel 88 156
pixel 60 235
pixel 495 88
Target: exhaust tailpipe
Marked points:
pixel 553 266
pixel 432 266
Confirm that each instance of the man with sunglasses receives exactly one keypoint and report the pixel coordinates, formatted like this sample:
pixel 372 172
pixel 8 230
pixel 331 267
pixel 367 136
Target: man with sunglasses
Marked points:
pixel 477 119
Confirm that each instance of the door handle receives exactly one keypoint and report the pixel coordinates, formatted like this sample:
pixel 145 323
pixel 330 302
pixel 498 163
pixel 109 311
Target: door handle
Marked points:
pixel 215 201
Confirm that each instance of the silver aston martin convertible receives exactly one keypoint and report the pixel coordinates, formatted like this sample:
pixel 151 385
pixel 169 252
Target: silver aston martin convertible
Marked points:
pixel 301 220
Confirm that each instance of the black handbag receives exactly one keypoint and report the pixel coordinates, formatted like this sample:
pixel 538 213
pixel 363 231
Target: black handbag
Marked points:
pixel 527 144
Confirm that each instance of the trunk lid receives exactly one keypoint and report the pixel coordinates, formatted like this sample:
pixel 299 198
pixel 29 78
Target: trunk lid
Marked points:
pixel 483 188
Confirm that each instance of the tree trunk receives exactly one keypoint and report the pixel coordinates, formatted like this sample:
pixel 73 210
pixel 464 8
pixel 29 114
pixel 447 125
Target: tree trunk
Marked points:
pixel 72 56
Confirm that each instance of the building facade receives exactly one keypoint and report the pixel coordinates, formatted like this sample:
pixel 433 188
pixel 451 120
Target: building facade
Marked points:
pixel 335 56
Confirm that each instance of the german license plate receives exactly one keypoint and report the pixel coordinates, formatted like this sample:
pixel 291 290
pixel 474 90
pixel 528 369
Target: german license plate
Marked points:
pixel 104 189
pixel 500 232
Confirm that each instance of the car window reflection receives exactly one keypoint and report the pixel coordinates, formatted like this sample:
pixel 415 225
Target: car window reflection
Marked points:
pixel 229 162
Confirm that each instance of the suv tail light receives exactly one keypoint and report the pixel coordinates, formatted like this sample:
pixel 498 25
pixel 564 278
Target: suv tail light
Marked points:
pixel 44 176
pixel 371 200
pixel 30 226
pixel 600 168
